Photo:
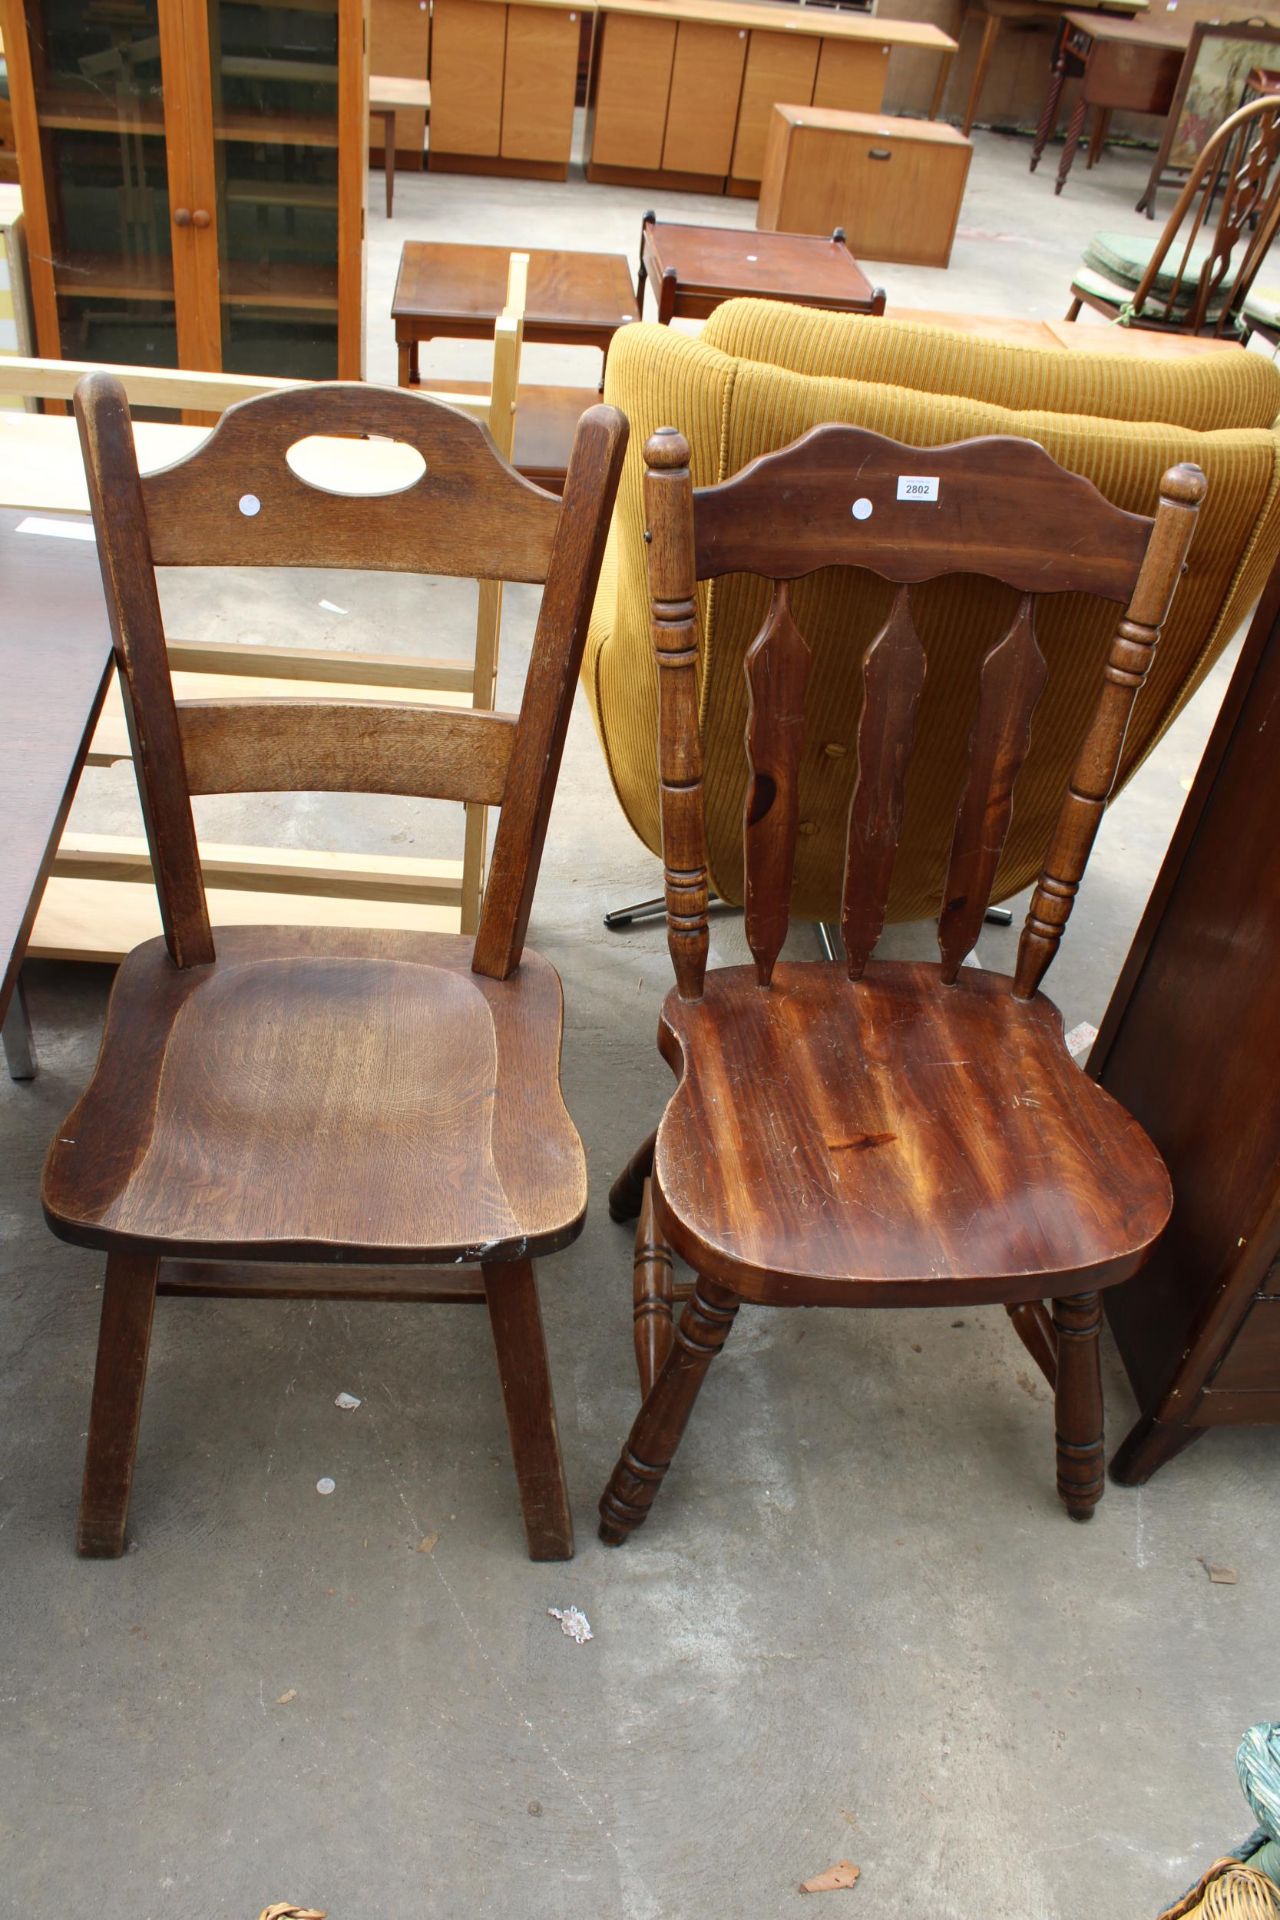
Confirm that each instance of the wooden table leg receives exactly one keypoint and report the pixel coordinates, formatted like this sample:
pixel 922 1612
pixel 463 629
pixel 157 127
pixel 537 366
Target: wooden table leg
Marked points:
pixel 389 155
pixel 1075 127
pixel 1098 138
pixel 940 85
pixel 1049 111
pixel 990 34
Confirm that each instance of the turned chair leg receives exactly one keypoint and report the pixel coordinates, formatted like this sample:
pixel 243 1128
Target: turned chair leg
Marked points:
pixel 1078 1403
pixel 627 1190
pixel 651 1445
pixel 511 1293
pixel 124 1337
pixel 653 1295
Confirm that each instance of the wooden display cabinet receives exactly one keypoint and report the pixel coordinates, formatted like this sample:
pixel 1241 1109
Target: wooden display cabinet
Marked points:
pixel 193 176
pixel 503 79
pixel 682 90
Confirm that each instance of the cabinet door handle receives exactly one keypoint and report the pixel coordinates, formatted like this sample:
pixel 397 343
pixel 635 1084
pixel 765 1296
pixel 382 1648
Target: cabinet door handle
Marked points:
pixel 873 153
pixel 182 216
pixel 200 218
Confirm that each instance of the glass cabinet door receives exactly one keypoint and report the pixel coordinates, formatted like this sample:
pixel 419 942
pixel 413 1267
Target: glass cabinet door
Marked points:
pixel 274 80
pixel 100 106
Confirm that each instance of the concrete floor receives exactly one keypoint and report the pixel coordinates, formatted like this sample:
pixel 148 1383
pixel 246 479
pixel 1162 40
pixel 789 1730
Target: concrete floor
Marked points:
pixel 858 1625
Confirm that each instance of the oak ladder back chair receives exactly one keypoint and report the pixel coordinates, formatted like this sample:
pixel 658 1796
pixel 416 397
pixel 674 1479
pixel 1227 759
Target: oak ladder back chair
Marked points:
pixel 877 1132
pixel 1188 284
pixel 314 1112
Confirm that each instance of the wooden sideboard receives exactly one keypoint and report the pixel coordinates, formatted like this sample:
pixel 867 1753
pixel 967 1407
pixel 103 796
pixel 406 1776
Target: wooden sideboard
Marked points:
pixel 1189 1044
pixel 682 90
pixel 503 78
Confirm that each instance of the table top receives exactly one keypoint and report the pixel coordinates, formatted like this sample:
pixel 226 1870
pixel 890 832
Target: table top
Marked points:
pixel 387 90
pixel 1158 28
pixel 55 662
pixel 768 18
pixel 1029 9
pixel 438 279
pixel 736 260
pixel 1071 336
pixel 929 133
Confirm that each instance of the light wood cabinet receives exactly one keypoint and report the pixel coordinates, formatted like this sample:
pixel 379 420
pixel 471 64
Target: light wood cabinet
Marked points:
pixel 399 41
pixel 683 89
pixel 503 79
pixel 193 177
pixel 895 186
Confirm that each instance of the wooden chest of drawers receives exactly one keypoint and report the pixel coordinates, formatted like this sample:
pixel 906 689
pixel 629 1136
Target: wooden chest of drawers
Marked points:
pixel 895 186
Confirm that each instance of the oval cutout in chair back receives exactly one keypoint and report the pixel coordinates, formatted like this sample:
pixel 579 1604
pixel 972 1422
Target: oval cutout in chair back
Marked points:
pixel 359 468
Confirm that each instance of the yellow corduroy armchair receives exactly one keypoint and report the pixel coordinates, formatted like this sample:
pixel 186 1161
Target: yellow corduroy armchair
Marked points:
pixel 760 375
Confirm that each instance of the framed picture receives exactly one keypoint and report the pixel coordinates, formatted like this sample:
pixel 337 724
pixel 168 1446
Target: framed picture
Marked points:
pixel 1211 85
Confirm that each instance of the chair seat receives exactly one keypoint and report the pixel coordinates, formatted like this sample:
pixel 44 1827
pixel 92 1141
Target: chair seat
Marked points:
pixel 1088 279
pixel 324 1093
pixel 894 1142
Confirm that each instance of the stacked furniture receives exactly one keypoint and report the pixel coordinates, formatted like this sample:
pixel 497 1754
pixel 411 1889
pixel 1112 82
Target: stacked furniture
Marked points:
pixel 193 180
pixel 682 89
pixel 759 375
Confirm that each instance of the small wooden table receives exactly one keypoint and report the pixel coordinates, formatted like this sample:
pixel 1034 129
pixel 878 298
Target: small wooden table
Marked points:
pixel 55 664
pixel 1129 65
pixel 456 292
pixel 387 91
pixel 696 269
pixel 1028 13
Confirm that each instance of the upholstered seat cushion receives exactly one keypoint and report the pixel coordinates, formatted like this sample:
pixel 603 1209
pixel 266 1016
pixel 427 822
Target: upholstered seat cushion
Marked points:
pixel 1123 258
pixel 1120 420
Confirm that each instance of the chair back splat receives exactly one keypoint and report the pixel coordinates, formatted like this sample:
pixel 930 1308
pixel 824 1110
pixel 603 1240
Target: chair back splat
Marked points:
pixel 241 500
pixel 841 496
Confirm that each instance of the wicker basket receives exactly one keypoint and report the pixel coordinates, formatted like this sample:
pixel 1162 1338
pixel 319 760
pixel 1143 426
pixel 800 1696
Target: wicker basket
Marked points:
pixel 1228 1892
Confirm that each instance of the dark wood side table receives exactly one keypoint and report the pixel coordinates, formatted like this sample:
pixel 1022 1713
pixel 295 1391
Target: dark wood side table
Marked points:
pixel 457 292
pixel 1121 64
pixel 1191 1045
pixel 696 269
pixel 55 663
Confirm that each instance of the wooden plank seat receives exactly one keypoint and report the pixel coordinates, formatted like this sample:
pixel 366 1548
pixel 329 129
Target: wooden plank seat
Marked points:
pixel 885 1121
pixel 310 1097
pixel 313 1092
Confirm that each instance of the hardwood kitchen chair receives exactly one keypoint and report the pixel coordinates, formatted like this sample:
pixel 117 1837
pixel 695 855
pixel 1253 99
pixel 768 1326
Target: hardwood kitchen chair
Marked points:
pixel 885 1133
pixel 278 1104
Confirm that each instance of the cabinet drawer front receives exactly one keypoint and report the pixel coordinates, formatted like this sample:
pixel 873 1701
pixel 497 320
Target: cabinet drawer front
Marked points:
pixel 631 91
pixel 468 43
pixel 1252 1362
pixel 780 67
pixel 703 108
pixel 538 88
pixel 851 75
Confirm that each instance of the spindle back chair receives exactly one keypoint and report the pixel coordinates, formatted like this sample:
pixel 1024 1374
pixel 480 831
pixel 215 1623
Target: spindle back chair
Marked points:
pixel 315 1111
pixel 886 1133
pixel 1197 278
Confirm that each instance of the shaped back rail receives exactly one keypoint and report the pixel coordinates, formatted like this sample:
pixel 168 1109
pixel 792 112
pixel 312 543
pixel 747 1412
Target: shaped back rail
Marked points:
pixel 237 501
pixel 841 496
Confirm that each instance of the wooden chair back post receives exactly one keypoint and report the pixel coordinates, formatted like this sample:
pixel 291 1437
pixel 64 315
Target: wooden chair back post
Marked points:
pixel 842 496
pixel 508 338
pixel 1130 656
pixel 236 501
pixel 137 631
pixel 560 638
pixel 668 499
pixel 1244 151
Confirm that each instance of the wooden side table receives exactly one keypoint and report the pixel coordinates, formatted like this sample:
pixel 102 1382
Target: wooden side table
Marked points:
pixel 387 92
pixel 457 292
pixel 1189 1045
pixel 1129 65
pixel 696 269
